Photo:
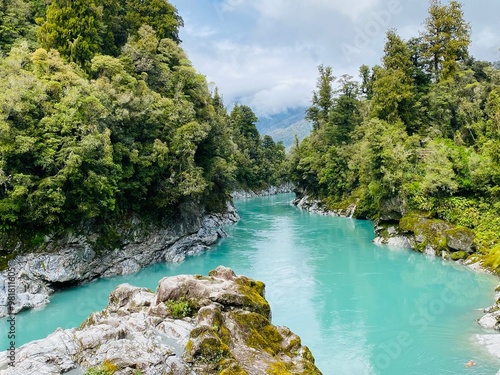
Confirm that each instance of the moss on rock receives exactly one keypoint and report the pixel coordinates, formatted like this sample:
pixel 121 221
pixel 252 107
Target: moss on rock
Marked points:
pixel 258 332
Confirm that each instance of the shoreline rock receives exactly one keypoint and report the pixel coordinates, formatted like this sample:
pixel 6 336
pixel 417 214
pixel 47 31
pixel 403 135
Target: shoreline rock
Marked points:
pixel 271 190
pixel 216 324
pixel 74 261
pixel 317 207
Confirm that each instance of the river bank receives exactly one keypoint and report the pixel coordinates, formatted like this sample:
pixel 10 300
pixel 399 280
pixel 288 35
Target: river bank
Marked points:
pixel 73 261
pixel 271 190
pixel 388 232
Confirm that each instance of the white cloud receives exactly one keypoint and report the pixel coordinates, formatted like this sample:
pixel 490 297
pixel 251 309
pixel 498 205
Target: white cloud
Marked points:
pixel 269 79
pixel 200 32
pixel 277 9
pixel 264 53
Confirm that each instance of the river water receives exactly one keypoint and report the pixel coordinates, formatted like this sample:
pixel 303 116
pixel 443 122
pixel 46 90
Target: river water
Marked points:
pixel 362 309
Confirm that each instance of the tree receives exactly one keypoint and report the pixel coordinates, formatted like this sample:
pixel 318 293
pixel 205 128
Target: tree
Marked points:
pixel 393 89
pixel 322 99
pixel 14 22
pixel 344 114
pixel 159 14
pixel 72 28
pixel 446 38
pixel 367 79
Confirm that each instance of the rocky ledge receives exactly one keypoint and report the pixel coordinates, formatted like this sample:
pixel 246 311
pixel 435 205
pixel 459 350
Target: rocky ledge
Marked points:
pixel 73 260
pixel 271 190
pixel 220 324
pixel 316 206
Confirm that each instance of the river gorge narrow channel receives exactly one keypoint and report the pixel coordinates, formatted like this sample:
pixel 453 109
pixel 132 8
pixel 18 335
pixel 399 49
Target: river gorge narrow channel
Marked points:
pixel 361 308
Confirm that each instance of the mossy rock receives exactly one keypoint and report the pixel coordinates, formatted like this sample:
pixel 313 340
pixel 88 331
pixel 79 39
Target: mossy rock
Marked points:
pixel 278 368
pixel 458 255
pixel 206 347
pixel 492 259
pixel 428 232
pixel 460 239
pixel 258 332
pixel 248 296
pixel 232 369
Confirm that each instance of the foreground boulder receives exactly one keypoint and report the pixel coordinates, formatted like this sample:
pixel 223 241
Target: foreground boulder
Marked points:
pixel 218 324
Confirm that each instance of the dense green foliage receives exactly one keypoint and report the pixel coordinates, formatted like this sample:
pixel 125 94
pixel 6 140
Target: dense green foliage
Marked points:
pixel 105 119
pixel 262 162
pixel 422 129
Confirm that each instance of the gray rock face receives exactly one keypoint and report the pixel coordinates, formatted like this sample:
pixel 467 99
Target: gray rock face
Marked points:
pixel 225 329
pixel 392 209
pixel 74 261
pixel 460 239
pixel 315 206
pixel 271 190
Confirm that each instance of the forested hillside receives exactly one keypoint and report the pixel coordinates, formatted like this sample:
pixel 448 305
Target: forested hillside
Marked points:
pixel 418 136
pixel 103 117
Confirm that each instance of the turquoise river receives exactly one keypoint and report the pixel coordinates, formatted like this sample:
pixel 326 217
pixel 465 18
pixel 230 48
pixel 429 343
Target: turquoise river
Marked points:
pixel 361 308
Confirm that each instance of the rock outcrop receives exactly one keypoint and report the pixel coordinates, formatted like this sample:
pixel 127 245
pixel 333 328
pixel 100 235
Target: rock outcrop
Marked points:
pixel 271 190
pixel 73 260
pixel 216 324
pixel 316 206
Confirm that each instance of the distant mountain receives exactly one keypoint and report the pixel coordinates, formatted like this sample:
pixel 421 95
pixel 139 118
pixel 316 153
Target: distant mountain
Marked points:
pixel 285 125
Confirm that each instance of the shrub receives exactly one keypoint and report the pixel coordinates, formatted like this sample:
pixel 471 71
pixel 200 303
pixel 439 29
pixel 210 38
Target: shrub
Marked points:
pixel 180 308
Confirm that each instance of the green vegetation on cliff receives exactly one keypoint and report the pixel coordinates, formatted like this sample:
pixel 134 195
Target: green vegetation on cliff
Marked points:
pixel 422 130
pixel 103 117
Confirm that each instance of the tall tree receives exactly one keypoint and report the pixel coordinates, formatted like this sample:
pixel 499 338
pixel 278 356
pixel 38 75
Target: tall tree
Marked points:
pixel 322 98
pixel 159 14
pixel 446 38
pixel 393 89
pixel 72 27
pixel 367 78
pixel 344 114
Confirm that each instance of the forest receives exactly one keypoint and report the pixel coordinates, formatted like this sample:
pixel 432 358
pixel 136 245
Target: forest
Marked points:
pixel 420 131
pixel 104 118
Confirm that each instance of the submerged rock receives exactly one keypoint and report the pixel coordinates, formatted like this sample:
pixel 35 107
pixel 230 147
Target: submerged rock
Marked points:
pixel 216 324
pixel 73 260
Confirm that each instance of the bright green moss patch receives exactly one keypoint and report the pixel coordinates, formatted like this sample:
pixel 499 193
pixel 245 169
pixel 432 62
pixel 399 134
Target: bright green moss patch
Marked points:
pixel 492 259
pixel 459 255
pixel 259 333
pixel 207 348
pixel 253 295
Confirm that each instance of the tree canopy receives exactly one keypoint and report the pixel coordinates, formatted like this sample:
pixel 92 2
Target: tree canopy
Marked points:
pixel 103 118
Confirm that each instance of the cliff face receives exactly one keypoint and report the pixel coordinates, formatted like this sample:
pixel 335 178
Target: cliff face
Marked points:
pixel 218 324
pixel 73 260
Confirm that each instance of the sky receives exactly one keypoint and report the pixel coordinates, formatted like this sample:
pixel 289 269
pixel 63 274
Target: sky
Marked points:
pixel 265 53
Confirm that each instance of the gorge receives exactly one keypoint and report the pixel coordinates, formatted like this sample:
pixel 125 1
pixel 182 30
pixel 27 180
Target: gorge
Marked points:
pixel 359 307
